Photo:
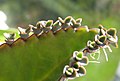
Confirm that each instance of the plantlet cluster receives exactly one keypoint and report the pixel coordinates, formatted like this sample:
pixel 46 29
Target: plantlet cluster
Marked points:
pixel 103 39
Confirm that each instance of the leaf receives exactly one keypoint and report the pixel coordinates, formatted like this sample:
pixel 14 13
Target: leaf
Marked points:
pixel 43 59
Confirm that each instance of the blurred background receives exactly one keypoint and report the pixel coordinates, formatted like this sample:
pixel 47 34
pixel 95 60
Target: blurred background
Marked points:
pixel 14 13
pixel 93 12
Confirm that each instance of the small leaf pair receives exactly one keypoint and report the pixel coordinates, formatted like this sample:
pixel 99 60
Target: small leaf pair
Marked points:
pixel 66 23
pixel 9 37
pixel 92 46
pixel 44 26
pixel 24 33
pixel 100 41
pixel 76 23
pixel 36 30
pixel 71 72
pixel 79 57
pixel 112 37
pixel 56 26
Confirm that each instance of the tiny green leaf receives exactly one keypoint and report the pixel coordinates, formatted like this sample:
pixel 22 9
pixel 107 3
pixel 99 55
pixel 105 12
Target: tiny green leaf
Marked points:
pixel 67 19
pixel 82 71
pixel 112 32
pixel 102 39
pixel 49 23
pixel 79 20
pixel 79 56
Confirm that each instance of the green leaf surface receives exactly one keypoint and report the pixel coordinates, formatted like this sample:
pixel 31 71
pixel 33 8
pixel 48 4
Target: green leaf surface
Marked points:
pixel 43 59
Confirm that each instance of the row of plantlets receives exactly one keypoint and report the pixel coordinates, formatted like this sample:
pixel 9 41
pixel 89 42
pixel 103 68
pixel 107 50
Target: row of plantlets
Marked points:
pixel 43 27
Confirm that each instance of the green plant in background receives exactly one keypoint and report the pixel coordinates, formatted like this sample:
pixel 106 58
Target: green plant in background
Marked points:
pixel 42 55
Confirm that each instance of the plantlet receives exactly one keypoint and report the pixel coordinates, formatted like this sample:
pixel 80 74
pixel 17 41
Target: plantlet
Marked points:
pixel 9 37
pixel 24 33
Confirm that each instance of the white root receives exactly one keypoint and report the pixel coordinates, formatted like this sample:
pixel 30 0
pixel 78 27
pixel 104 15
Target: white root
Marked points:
pixel 106 56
